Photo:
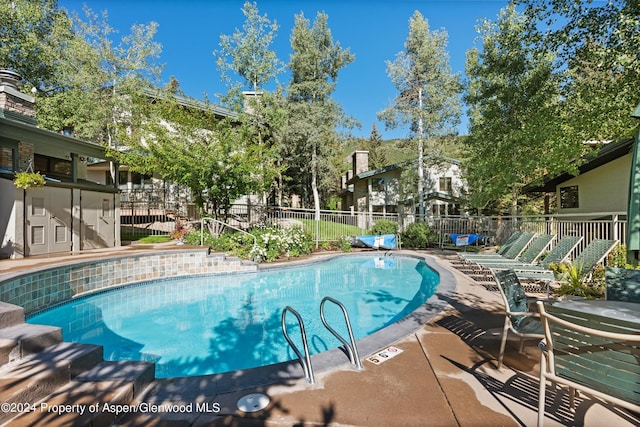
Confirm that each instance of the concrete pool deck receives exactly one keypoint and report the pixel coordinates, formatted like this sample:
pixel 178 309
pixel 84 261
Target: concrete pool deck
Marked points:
pixel 445 376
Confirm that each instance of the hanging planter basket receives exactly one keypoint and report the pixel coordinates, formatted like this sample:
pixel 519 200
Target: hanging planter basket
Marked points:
pixel 26 180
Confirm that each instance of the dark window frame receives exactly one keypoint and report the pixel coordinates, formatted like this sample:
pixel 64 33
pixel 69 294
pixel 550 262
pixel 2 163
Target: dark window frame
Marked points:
pixel 569 197
pixel 53 166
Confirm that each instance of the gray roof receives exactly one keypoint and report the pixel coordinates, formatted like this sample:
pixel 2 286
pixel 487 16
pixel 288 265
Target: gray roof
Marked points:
pixel 384 169
pixel 20 131
pixel 218 110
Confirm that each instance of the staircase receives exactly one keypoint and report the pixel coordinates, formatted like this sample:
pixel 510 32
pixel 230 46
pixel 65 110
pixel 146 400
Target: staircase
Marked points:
pixel 45 381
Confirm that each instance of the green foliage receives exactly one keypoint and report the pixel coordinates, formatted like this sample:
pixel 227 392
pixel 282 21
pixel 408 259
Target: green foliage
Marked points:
pixel 26 180
pixel 618 258
pixel 344 244
pixel 156 239
pixel 418 235
pixel 271 243
pixel 377 157
pixel 214 158
pixel 574 283
pixel 32 35
pixel 427 97
pixel 516 130
pixel 383 226
pixel 313 116
pixel 247 53
pixel 328 230
pixel 98 78
pixel 598 43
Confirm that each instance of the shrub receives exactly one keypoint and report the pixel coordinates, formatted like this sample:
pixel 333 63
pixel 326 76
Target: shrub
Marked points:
pixel 573 283
pixel 271 243
pixel 26 180
pixel 383 226
pixel 344 244
pixel 618 258
pixel 418 235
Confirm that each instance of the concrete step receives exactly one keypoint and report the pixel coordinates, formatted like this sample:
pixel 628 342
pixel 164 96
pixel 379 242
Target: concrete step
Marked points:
pixel 10 315
pixel 24 339
pixel 139 374
pixel 96 397
pixel 78 404
pixel 28 380
pixel 9 351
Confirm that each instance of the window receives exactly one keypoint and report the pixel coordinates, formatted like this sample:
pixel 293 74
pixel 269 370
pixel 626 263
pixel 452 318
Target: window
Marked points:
pixel 123 177
pixel 140 179
pixel 569 197
pixel 6 158
pixel 377 184
pixel 445 184
pixel 52 166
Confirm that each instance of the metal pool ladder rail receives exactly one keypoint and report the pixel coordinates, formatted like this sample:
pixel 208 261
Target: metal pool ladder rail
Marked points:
pixel 351 347
pixel 306 360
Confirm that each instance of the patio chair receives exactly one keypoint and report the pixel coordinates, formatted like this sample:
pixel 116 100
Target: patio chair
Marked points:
pixel 514 236
pixel 589 352
pixel 514 249
pixel 558 254
pixel 592 255
pixel 518 319
pixel 528 257
pixel 622 284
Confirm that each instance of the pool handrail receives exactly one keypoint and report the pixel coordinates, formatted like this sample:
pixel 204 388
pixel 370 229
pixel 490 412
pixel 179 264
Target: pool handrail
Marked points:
pixel 350 347
pixel 305 361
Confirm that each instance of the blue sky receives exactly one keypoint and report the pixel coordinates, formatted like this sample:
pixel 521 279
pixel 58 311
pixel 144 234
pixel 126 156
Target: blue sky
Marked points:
pixel 373 30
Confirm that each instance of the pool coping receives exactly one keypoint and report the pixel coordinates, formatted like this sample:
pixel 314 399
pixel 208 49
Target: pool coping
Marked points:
pixel 195 387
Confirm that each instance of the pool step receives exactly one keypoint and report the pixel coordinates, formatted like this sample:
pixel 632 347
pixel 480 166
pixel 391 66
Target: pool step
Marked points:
pixel 27 380
pixel 39 371
pixel 10 315
pixel 139 374
pixel 78 404
pixel 21 340
pixel 94 397
pixel 228 264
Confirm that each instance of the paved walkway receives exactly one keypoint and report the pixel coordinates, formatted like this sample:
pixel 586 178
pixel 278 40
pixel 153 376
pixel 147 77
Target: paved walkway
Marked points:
pixel 444 376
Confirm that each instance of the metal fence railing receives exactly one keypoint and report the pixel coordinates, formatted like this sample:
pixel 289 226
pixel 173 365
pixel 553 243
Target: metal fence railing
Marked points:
pixel 140 219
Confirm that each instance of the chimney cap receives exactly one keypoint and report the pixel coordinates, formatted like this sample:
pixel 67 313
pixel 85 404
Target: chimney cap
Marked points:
pixel 9 78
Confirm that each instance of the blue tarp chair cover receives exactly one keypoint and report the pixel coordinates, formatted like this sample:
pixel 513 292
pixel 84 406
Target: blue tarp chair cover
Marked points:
pixel 383 241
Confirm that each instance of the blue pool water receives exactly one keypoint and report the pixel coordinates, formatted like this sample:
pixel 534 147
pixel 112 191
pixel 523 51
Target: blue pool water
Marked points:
pixel 213 324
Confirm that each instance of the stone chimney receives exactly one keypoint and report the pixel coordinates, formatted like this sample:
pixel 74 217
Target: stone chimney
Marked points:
pixel 14 101
pixel 360 161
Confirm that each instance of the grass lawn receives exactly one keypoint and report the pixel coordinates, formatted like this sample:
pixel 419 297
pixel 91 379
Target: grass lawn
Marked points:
pixel 328 230
pixel 154 239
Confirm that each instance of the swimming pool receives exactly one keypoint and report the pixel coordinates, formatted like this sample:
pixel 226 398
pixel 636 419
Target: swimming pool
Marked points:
pixel 211 324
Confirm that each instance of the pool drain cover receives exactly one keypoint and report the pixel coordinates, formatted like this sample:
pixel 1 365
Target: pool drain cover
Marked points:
pixel 253 402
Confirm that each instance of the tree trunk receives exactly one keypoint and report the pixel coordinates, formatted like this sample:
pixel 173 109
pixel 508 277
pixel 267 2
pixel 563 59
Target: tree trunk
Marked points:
pixel 314 183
